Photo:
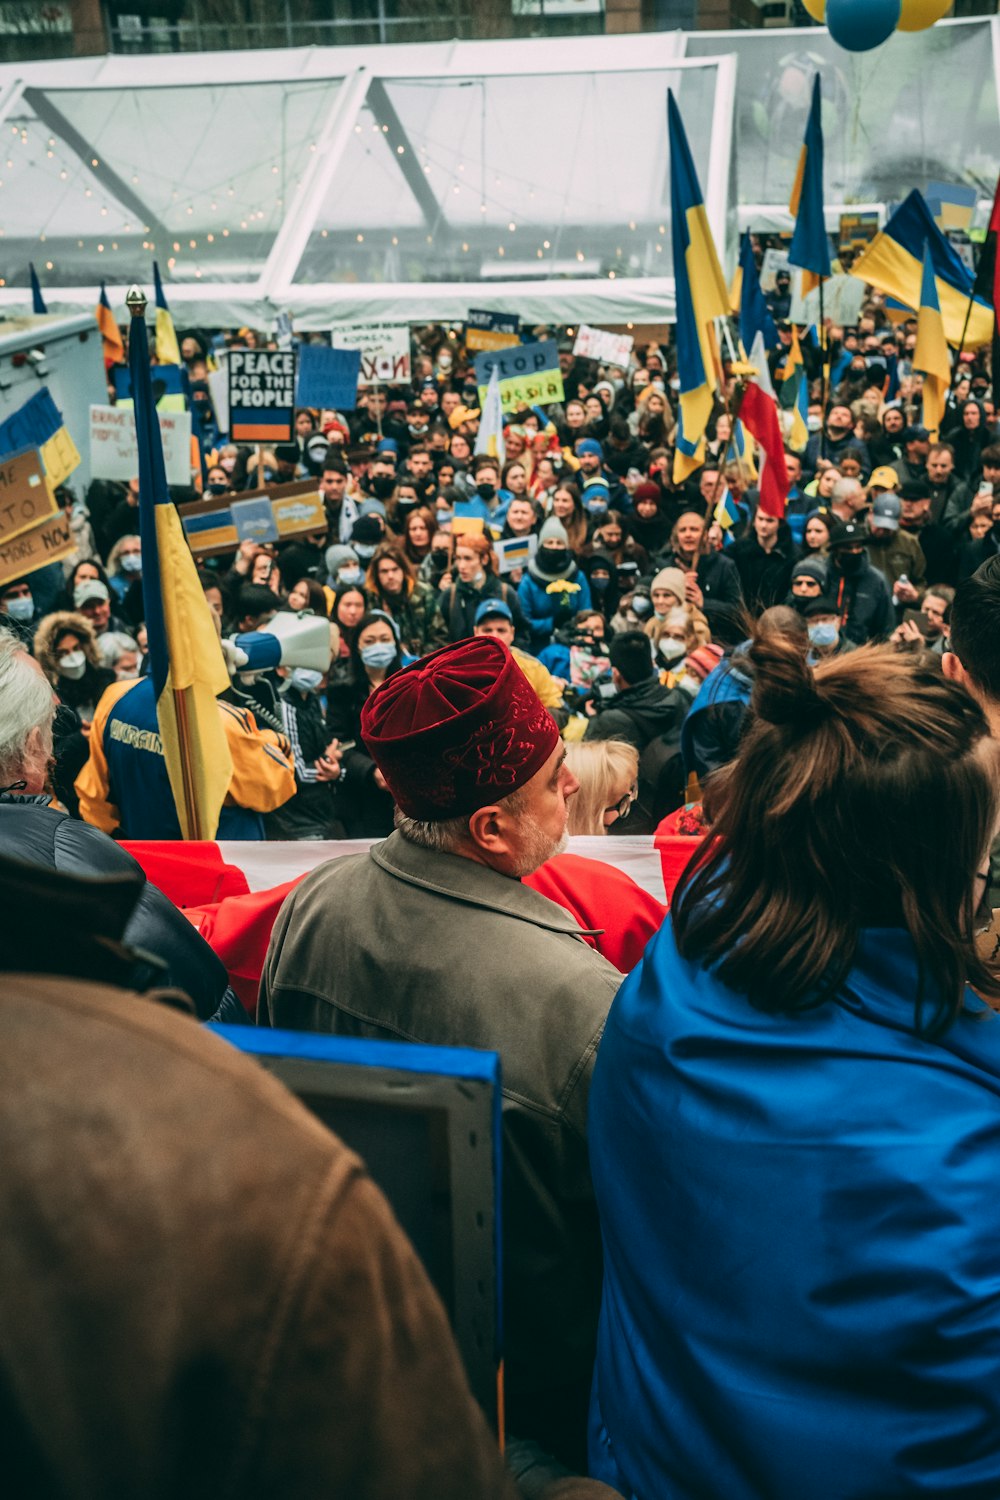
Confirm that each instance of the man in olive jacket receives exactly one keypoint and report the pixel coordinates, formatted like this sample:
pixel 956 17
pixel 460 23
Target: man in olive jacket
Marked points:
pixel 431 937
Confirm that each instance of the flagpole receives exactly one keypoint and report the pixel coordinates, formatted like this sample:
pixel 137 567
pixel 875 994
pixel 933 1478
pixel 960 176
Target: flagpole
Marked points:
pixel 823 371
pixel 137 304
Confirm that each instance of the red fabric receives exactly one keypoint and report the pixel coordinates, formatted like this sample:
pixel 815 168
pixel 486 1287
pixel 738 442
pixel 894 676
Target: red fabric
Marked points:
pixel 188 873
pixel 238 930
pixel 675 851
pixel 759 415
pixel 994 228
pixel 457 730
pixel 599 895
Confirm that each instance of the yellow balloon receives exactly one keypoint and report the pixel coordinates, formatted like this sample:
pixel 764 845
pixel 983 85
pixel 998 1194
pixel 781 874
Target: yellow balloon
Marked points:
pixel 917 15
pixel 816 8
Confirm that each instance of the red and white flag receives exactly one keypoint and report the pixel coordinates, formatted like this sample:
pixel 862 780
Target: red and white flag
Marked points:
pixel 759 415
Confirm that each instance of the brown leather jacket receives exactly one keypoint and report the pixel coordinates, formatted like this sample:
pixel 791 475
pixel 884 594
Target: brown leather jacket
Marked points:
pixel 202 1294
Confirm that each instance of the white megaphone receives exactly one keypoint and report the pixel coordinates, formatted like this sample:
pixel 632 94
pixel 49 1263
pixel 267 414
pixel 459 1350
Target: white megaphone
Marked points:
pixel 289 640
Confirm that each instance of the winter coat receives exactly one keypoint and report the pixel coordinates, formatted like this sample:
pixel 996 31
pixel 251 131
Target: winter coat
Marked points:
pixel 719 582
pixel 863 600
pixel 458 605
pixel 765 577
pixel 550 606
pixel 421 627
pixel 798 1215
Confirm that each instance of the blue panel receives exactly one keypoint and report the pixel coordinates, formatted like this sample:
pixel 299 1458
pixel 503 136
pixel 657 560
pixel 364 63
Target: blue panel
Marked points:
pixel 407 1057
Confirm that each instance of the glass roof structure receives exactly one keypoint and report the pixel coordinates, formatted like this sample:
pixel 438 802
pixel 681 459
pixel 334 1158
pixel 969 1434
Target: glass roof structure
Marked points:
pixel 406 183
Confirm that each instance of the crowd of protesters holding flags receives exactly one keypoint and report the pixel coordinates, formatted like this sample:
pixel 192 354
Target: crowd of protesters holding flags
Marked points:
pixel 748 1145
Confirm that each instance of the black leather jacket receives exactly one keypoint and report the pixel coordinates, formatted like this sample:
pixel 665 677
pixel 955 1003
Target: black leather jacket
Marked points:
pixel 32 831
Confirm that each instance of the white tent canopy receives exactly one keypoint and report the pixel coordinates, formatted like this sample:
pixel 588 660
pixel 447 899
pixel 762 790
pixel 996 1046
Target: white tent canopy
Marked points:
pixel 409 183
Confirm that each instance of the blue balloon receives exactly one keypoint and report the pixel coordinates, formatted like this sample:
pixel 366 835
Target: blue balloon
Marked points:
pixel 858 25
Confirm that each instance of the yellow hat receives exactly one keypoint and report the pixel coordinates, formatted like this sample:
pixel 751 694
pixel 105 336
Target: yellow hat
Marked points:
pixel 462 414
pixel 884 478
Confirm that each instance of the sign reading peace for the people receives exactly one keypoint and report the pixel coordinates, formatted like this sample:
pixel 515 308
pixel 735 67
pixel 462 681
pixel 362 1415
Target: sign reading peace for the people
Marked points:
pixel 261 395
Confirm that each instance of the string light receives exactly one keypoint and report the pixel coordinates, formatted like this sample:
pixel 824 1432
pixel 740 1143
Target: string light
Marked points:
pixel 400 150
pixel 361 239
pixel 324 233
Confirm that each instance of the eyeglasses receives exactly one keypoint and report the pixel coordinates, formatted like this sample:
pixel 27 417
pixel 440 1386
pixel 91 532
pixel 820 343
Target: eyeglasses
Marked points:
pixel 619 809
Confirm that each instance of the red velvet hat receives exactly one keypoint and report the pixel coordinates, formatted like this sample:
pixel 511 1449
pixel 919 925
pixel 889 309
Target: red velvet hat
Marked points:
pixel 457 730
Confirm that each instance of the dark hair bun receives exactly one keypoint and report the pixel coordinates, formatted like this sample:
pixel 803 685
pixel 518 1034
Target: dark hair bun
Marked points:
pixel 784 688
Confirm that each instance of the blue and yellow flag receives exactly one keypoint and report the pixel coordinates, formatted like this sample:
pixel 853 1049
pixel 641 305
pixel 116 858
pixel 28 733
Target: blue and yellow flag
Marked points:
pixel 810 247
pixel 37 300
pixel 755 315
pixel 894 264
pixel 793 395
pixel 701 298
pixel 186 663
pixel 114 349
pixel 726 512
pixel 167 349
pixel 931 354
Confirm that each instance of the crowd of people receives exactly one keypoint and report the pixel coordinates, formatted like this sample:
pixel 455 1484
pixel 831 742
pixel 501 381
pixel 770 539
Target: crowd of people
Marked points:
pixel 747 1180
pixel 881 524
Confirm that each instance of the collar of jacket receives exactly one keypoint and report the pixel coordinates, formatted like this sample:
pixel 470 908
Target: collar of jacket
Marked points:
pixel 473 884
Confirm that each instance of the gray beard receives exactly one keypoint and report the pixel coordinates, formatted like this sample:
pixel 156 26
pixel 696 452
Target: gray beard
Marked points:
pixel 537 847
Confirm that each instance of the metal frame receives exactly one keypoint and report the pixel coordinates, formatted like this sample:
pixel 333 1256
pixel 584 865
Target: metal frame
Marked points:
pixel 356 70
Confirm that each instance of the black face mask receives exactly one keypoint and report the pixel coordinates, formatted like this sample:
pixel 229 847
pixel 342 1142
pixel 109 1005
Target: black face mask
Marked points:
pixel 439 557
pixel 552 560
pixel 216 489
pixel 382 486
pixel 600 582
pixel 850 562
pixel 486 492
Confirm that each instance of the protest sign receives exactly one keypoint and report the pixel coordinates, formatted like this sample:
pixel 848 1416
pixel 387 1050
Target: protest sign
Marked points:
pixel 328 377
pixel 114 452
pixel 491 330
pixel 529 374
pixel 842 299
pixel 278 513
pixel 515 552
pixel 858 229
pixel 261 395
pixel 39 424
pixel 25 497
pixel 606 348
pixel 254 520
pixel 773 262
pixel 218 389
pixel 46 542
pixel 384 348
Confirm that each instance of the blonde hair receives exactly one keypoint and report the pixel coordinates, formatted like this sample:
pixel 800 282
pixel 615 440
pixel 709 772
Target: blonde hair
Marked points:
pixel 605 769
pixel 697 631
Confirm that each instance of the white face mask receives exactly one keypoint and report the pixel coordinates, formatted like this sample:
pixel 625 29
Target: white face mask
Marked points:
pixel 672 650
pixel 306 679
pixel 72 665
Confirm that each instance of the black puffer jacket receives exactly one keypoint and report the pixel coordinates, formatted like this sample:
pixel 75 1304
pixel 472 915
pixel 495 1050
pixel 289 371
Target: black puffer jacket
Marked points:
pixel 32 831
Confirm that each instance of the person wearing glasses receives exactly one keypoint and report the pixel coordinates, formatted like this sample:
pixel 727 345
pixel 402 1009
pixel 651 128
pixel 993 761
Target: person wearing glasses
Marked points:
pixel 608 773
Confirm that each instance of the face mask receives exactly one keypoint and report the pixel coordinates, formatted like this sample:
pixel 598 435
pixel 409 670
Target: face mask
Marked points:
pixel 306 679
pixel 444 361
pixel 672 650
pixel 486 492
pixel 72 665
pixel 229 464
pixel 850 562
pixel 381 654
pixel 383 486
pixel 443 518
pixel 597 507
pixel 21 609
pixel 350 575
pixel 600 583
pixel 690 684
pixel 131 562
pixel 641 606
pixel 552 560
pixel 216 489
pixel 366 553
pixel 824 633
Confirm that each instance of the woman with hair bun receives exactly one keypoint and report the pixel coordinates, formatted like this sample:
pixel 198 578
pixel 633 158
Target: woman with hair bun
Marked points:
pixel 794 1124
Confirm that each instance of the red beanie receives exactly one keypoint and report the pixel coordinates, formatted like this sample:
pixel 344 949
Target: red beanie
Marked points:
pixel 647 490
pixel 457 730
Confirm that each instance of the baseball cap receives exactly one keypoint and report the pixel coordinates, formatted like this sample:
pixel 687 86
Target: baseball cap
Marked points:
pixel 89 590
pixel 818 606
pixel 884 478
pixel 493 607
pixel 846 534
pixel 916 435
pixel 886 511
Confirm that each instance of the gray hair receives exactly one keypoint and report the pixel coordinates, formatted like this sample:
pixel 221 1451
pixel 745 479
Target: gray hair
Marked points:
pixel 27 708
pixel 847 489
pixel 112 645
pixel 445 835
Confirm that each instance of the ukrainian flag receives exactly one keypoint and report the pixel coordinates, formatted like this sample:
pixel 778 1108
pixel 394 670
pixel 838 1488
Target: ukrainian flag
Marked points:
pixel 754 313
pixel 931 354
pixel 726 512
pixel 701 297
pixel 167 349
pixel 894 264
pixel 810 247
pixel 185 653
pixel 793 395
pixel 114 349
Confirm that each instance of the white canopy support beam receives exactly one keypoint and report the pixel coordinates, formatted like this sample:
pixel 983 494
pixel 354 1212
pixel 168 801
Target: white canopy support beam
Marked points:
pixel 300 216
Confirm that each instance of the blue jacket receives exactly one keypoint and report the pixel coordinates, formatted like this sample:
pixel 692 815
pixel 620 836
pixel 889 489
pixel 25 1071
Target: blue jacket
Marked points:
pixel 802 1279
pixel 543 610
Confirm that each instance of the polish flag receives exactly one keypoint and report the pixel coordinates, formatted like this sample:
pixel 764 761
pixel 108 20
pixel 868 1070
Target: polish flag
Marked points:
pixel 759 415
